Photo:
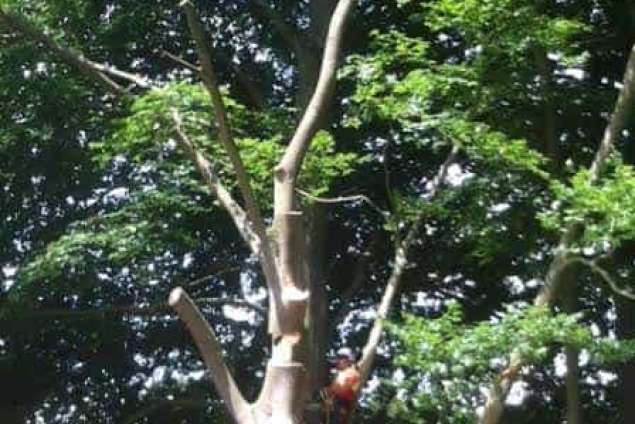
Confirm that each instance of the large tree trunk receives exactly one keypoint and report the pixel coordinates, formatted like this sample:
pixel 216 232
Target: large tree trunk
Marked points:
pixel 572 379
pixel 282 251
pixel 319 305
pixel 626 330
pixel 549 121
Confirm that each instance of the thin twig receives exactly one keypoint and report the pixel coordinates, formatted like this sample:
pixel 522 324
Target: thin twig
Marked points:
pixel 201 280
pixel 344 199
pixel 180 61
pixel 605 275
pixel 241 303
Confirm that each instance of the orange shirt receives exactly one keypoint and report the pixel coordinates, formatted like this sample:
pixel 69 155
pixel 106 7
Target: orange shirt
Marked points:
pixel 345 385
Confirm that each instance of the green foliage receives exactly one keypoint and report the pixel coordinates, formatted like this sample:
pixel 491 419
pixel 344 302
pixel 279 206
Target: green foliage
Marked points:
pixel 138 231
pixel 323 164
pixel 146 137
pixel 493 147
pixel 432 102
pixel 510 26
pixel 451 359
pixel 399 82
pixel 606 208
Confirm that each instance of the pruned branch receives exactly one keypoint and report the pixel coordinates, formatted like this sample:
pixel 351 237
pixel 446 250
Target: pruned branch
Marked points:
pixel 208 74
pixel 211 351
pixel 400 262
pixel 308 126
pixel 554 279
pixel 211 179
pixel 99 72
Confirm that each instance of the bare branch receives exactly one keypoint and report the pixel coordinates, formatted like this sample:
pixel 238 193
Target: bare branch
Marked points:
pixel 211 351
pixel 181 61
pixel 208 75
pixel 400 263
pixel 96 71
pixel 344 199
pixel 293 156
pixel 555 274
pixel 605 275
pixel 210 178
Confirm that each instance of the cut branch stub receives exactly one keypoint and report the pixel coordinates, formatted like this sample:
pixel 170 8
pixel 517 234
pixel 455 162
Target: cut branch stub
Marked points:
pixel 211 351
pixel 293 276
pixel 292 243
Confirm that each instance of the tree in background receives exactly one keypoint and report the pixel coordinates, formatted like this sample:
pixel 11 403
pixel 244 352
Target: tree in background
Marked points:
pixel 119 186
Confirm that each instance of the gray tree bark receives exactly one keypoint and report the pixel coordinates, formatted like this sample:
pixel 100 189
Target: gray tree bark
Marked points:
pixel 282 251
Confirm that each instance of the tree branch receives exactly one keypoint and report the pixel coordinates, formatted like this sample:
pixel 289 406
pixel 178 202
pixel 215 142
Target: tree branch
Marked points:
pixel 605 275
pixel 208 75
pixel 211 179
pixel 201 280
pixel 294 154
pixel 343 199
pixel 181 61
pixel 400 262
pixel 96 71
pixel 554 279
pixel 252 90
pixel 211 351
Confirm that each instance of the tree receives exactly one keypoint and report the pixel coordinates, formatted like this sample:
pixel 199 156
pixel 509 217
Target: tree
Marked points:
pixel 445 92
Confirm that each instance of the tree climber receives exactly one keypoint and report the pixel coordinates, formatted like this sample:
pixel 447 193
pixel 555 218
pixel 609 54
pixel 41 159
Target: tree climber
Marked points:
pixel 341 394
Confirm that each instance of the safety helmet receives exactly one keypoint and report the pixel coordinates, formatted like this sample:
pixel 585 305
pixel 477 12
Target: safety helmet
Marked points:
pixel 347 353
